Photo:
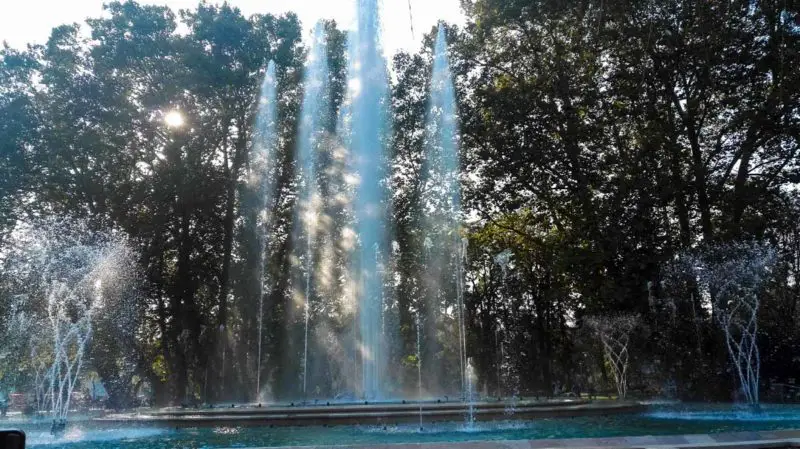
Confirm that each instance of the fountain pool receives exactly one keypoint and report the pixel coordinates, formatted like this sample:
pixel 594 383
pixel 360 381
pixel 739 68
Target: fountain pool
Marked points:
pixel 658 419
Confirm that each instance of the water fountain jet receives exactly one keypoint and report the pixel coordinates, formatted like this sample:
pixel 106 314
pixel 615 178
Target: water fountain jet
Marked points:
pixel 365 128
pixel 316 104
pixel 446 249
pixel 263 180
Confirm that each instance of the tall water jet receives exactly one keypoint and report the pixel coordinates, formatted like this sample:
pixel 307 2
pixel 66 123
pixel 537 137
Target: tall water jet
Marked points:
pixel 262 179
pixel 364 130
pixel 445 249
pixel 315 107
pixel 461 256
pixel 419 368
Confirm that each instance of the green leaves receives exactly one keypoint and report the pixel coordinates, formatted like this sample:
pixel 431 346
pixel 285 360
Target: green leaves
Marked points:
pixel 598 140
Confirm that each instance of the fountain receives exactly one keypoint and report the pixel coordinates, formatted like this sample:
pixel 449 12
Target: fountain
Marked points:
pixel 69 343
pixel 445 249
pixel 77 280
pixel 365 129
pixel 353 163
pixel 262 179
pixel 462 334
pixel 73 278
pixel 362 154
pixel 362 136
pixel 76 283
pixel 419 369
pixel 316 103
pixel 733 275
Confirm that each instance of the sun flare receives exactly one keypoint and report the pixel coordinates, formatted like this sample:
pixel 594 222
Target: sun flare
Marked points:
pixel 174 119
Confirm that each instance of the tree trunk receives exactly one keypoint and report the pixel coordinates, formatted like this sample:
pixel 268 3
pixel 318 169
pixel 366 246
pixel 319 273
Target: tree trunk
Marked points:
pixel 232 168
pixel 698 166
pixel 678 188
pixel 739 196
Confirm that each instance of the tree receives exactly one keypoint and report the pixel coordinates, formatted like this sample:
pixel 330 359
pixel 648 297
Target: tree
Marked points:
pixel 19 132
pixel 599 142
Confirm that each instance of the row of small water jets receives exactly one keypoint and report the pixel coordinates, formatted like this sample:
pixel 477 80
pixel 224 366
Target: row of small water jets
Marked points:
pixel 361 139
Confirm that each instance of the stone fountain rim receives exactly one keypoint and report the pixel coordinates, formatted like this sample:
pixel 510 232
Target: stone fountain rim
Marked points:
pixel 371 415
pixel 783 439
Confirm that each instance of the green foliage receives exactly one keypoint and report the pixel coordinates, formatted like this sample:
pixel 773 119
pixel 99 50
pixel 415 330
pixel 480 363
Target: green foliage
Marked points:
pixel 598 141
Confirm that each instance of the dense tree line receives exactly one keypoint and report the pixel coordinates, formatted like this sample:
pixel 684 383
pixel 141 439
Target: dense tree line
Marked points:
pixel 601 141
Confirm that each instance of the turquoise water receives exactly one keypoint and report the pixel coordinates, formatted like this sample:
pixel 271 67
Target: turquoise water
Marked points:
pixel 657 420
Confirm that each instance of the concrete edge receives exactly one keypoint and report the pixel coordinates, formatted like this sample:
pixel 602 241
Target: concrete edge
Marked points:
pixel 789 439
pixel 369 416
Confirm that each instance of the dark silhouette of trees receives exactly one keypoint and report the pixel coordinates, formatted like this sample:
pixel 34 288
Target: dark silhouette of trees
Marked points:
pixel 599 141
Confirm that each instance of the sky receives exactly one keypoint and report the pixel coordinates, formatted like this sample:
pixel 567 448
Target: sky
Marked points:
pixel 30 21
